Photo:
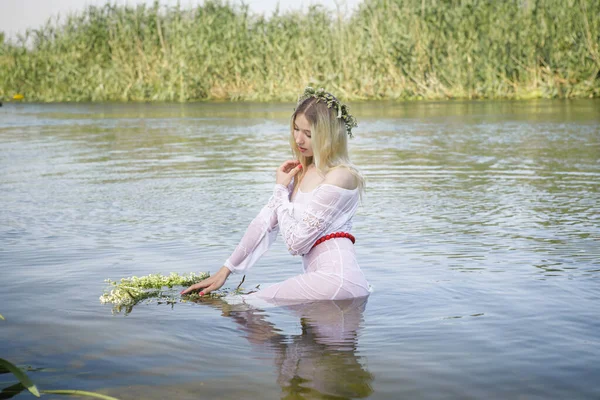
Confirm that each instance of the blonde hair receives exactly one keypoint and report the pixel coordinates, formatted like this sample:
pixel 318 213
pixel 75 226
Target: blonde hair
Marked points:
pixel 329 140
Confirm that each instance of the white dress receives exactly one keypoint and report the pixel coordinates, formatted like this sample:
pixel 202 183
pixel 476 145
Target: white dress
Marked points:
pixel 331 271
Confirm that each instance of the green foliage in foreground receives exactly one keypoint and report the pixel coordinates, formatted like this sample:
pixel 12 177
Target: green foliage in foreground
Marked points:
pixel 393 49
pixel 26 382
pixel 20 375
pixel 80 393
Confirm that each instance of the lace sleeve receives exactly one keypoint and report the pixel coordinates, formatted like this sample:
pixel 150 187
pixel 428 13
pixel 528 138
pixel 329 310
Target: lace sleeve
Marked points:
pixel 328 207
pixel 259 236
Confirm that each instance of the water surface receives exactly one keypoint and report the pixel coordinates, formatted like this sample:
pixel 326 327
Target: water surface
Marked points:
pixel 479 232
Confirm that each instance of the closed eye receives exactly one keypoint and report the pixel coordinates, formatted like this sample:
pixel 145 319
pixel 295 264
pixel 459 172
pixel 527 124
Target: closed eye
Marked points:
pixel 307 133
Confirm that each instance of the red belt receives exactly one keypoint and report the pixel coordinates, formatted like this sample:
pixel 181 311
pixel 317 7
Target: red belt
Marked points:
pixel 332 236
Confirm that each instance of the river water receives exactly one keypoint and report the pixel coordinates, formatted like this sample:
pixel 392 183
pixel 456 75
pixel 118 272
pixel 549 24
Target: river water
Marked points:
pixel 479 232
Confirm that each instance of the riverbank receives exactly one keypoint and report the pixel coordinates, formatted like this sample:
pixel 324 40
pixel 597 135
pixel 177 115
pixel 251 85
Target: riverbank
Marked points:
pixel 386 49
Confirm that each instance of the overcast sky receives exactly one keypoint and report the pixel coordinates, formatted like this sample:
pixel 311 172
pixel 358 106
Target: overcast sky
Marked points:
pixel 18 15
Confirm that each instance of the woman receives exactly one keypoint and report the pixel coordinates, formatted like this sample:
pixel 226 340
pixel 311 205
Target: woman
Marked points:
pixel 314 200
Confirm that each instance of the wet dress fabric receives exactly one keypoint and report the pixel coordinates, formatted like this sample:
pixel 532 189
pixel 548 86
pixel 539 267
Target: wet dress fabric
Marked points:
pixel 330 270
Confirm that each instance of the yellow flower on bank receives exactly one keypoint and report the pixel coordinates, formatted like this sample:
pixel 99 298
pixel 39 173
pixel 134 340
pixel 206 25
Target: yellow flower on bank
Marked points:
pixel 18 96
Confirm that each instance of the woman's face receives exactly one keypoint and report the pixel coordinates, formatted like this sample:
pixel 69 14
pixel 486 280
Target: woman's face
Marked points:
pixel 302 135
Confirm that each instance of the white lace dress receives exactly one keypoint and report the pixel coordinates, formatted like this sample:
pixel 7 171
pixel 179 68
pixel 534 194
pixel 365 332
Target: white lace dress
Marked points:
pixel 331 271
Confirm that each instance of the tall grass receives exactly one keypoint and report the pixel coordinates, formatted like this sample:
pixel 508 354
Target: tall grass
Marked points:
pixel 394 49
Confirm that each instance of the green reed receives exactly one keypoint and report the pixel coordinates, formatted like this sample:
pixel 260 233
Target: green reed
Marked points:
pixel 26 383
pixel 387 49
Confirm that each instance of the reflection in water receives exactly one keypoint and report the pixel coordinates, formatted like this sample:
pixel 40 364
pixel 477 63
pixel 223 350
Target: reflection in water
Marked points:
pixel 321 361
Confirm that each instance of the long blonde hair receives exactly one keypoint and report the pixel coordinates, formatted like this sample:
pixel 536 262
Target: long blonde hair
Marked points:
pixel 329 140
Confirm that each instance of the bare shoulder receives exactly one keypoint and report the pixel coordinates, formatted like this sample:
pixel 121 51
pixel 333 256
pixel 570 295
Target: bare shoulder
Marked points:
pixel 342 177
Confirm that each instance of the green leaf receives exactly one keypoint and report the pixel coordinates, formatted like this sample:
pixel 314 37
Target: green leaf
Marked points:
pixel 11 391
pixel 80 393
pixel 1 317
pixel 21 376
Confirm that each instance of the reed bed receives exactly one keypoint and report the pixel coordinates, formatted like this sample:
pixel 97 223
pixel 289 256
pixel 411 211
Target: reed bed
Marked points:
pixel 386 49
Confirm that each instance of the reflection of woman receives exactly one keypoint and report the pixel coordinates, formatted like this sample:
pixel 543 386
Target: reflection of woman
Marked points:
pixel 322 360
pixel 314 200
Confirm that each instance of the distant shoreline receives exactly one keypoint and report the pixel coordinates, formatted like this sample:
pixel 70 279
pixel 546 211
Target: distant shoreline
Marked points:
pixel 385 50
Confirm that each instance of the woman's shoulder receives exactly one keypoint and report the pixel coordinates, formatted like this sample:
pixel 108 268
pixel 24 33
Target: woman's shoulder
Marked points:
pixel 341 177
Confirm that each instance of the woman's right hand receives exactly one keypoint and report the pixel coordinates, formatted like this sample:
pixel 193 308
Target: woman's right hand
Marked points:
pixel 287 171
pixel 211 283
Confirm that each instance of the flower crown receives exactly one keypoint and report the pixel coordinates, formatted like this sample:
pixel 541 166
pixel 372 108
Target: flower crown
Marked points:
pixel 331 101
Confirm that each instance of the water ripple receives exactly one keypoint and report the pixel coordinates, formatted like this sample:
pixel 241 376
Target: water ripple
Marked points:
pixel 479 232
